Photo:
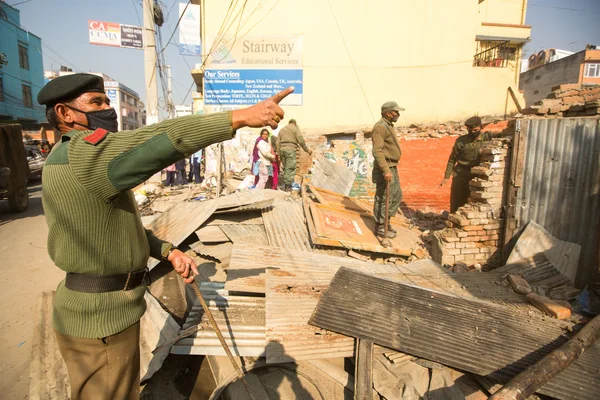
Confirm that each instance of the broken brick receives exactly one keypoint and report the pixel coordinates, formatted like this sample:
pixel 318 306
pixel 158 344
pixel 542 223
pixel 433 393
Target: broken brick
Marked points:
pixel 550 307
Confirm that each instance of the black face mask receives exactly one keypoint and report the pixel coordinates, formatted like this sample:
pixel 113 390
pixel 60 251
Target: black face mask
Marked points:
pixel 105 119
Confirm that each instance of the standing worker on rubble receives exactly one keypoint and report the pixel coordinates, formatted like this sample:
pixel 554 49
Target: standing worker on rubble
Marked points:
pixel 464 155
pixel 387 153
pixel 288 141
pixel 95 232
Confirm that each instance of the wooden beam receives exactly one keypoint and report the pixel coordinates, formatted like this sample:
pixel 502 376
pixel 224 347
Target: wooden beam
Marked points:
pixel 467 334
pixel 363 372
pixel 529 381
pixel 514 97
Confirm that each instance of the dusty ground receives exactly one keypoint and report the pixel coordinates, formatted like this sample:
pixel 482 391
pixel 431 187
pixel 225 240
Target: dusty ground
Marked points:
pixel 27 271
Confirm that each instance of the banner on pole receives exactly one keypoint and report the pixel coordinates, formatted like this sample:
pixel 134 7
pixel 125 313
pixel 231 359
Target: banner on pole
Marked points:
pixel 189 29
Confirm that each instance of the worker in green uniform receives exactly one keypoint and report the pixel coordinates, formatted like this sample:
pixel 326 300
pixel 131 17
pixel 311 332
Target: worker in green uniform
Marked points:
pixel 288 141
pixel 95 232
pixel 387 153
pixel 464 155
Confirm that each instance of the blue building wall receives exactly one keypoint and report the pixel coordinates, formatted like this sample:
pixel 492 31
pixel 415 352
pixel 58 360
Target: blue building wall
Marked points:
pixel 13 76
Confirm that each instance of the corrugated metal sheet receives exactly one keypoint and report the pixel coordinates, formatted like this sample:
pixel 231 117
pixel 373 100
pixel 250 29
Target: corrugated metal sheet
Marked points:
pixel 535 239
pixel 246 271
pixel 179 222
pixel 247 218
pixel 241 320
pixel 330 176
pixel 256 206
pixel 470 335
pixel 248 197
pixel 561 184
pixel 246 233
pixel 285 225
pixel 156 328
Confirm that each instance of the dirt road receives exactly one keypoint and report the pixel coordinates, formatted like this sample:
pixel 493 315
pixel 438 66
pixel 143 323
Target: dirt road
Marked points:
pixel 26 272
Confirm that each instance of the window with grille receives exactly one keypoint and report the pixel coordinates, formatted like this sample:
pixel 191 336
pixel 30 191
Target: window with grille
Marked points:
pixel 23 57
pixel 27 96
pixel 491 53
pixel 592 71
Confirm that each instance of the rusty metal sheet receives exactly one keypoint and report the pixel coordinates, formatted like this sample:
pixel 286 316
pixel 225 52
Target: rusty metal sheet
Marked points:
pixel 535 239
pixel 211 234
pixel 179 222
pixel 246 233
pixel 246 271
pixel 241 320
pixel 247 218
pixel 291 299
pixel 561 184
pixel 247 197
pixel 256 206
pixel 330 176
pixel 467 334
pixel 285 226
pixel 349 229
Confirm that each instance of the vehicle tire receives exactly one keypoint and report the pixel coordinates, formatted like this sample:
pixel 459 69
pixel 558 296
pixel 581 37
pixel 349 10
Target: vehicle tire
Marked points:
pixel 18 200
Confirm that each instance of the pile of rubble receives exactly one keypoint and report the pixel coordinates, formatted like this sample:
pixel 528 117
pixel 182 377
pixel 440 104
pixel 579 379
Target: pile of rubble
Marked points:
pixel 570 100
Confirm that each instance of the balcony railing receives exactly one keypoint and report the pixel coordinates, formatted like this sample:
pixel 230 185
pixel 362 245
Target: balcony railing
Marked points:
pixel 496 54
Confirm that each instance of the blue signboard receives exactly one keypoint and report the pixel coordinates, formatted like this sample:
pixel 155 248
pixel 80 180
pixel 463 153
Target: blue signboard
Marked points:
pixel 112 95
pixel 249 86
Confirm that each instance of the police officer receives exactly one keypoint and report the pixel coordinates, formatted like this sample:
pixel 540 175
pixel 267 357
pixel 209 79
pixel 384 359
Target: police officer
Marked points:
pixel 95 232
pixel 290 138
pixel 387 153
pixel 464 155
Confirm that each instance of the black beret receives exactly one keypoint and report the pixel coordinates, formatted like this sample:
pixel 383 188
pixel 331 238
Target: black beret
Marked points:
pixel 69 87
pixel 473 121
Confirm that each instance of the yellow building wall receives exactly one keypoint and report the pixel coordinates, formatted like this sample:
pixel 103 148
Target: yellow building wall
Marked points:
pixel 359 54
pixel 502 11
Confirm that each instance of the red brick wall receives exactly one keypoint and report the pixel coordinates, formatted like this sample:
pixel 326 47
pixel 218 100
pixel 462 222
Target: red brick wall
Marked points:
pixel 422 169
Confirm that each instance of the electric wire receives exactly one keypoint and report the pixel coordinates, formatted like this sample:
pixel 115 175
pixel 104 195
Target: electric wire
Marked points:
pixel 351 61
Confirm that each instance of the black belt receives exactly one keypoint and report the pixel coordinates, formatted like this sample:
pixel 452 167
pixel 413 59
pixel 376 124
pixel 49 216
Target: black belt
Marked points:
pixel 107 283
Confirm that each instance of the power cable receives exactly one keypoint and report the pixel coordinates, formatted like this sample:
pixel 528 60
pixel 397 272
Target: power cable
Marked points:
pixel 177 25
pixel 136 12
pixel 351 61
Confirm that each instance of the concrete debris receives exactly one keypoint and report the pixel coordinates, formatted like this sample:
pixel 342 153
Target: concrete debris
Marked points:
pixel 569 100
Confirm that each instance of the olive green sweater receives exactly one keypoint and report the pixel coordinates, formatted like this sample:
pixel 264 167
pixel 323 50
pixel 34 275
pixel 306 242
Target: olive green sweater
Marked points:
pixel 386 149
pixel 93 220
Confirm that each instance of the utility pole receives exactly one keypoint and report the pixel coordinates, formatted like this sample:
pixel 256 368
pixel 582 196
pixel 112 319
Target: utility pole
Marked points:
pixel 170 106
pixel 150 63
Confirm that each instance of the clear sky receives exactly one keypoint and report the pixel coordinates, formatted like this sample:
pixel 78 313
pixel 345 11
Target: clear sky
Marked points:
pixel 62 25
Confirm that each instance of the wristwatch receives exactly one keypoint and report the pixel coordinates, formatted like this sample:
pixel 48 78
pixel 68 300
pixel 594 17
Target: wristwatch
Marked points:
pixel 166 257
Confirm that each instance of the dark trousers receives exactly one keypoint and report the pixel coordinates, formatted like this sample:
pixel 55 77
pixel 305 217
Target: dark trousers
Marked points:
pixel 380 193
pixel 181 177
pixel 459 191
pixel 170 178
pixel 104 369
pixel 196 170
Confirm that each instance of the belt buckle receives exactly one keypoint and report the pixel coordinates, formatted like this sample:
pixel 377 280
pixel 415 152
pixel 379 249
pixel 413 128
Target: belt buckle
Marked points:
pixel 132 285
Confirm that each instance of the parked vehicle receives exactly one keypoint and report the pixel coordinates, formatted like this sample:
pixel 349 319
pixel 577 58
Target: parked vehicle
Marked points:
pixel 14 168
pixel 36 161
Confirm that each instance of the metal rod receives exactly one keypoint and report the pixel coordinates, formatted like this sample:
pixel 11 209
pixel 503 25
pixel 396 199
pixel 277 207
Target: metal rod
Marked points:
pixel 213 324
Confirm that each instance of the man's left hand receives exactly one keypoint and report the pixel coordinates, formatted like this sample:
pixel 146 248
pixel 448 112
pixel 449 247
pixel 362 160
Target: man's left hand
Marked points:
pixel 183 265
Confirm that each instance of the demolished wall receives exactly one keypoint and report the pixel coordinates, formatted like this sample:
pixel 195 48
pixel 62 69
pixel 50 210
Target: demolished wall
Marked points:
pixel 572 100
pixel 473 232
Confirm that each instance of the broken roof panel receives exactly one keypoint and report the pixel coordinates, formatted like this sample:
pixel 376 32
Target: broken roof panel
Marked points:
pixel 246 233
pixel 285 226
pixel 336 178
pixel 179 222
pixel 468 334
pixel 535 239
pixel 246 271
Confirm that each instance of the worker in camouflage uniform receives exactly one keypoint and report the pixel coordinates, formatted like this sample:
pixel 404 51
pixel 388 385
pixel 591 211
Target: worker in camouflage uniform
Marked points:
pixel 95 233
pixel 464 155
pixel 387 153
pixel 288 141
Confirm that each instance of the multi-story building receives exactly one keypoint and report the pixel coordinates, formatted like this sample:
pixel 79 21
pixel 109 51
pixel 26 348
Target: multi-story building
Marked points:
pixel 21 70
pixel 441 60
pixel 582 67
pixel 126 101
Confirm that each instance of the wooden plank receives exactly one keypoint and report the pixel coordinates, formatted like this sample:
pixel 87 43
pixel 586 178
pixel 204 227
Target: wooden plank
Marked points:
pixel 514 96
pixel 350 229
pixel 363 372
pixel 466 334
pixel 211 234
